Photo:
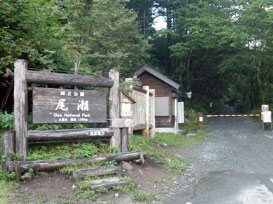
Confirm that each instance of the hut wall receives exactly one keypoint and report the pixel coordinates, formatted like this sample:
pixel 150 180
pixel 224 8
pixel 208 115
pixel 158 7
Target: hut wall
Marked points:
pixel 161 90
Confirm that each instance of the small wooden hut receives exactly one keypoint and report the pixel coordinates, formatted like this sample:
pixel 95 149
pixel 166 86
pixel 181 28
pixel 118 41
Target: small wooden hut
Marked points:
pixel 165 94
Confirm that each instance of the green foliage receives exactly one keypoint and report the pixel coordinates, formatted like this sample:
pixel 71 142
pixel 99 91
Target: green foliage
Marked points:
pixel 70 150
pixel 125 86
pixel 126 188
pixel 150 145
pixel 102 190
pixel 6 189
pixel 140 196
pixel 6 176
pixel 174 140
pixel 84 36
pixel 6 121
pixel 85 194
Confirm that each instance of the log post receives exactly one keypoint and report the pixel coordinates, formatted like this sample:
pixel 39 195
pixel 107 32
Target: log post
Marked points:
pixel 147 124
pixel 115 107
pixel 20 107
pixel 124 142
pixel 153 112
pixel 131 87
pixel 8 144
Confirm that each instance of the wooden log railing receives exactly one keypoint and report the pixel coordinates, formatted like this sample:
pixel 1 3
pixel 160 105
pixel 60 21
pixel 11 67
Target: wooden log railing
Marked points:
pixel 49 165
pixel 69 134
pixel 68 79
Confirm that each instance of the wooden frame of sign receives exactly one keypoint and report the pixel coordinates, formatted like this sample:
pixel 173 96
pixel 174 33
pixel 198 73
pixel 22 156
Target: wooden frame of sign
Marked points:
pixel 64 106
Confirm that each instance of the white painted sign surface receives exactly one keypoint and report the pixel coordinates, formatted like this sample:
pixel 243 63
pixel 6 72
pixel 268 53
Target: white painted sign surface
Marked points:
pixel 266 117
pixel 180 114
pixel 265 107
pixel 126 110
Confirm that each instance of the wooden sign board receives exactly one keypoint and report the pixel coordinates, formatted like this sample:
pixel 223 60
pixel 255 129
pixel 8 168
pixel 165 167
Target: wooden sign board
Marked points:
pixel 180 113
pixel 68 106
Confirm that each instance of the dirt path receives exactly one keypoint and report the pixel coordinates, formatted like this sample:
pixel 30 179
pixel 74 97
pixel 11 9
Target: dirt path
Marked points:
pixel 233 166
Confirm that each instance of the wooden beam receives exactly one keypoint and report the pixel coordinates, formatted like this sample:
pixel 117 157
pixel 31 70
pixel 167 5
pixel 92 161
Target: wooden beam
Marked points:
pixel 90 172
pixel 20 107
pixel 49 165
pixel 8 144
pixel 107 183
pixel 115 106
pixel 69 134
pixel 121 123
pixel 140 89
pixel 67 79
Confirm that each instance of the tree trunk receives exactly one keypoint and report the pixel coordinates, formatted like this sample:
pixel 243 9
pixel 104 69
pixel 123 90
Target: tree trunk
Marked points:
pixel 77 65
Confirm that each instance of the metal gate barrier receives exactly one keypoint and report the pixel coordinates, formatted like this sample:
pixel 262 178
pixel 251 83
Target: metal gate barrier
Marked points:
pixel 265 117
pixel 234 115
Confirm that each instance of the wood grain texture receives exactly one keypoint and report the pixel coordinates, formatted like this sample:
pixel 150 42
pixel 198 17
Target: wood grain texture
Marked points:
pixel 20 107
pixel 68 79
pixel 107 183
pixel 161 90
pixel 69 134
pixel 115 107
pixel 146 131
pixel 68 106
pixel 49 165
pixel 8 144
pixel 124 139
pixel 90 172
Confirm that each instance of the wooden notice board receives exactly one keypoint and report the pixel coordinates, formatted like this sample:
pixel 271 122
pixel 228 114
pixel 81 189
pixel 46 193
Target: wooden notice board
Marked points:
pixel 68 106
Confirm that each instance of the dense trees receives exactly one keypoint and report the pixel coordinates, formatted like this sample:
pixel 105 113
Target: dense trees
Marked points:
pixel 90 36
pixel 219 50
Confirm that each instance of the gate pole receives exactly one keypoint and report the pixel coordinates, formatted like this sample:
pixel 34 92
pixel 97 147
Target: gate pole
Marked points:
pixel 201 119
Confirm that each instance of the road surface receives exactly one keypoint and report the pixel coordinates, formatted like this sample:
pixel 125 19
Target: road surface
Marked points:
pixel 234 165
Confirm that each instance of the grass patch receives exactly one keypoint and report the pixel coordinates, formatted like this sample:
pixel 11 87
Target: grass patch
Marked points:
pixel 176 140
pixel 150 146
pixel 69 150
pixel 5 191
pixel 126 188
pixel 153 146
pixel 140 196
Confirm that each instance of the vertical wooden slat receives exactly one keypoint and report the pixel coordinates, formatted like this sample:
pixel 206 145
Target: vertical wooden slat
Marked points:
pixel 115 107
pixel 175 115
pixel 153 112
pixel 20 107
pixel 147 124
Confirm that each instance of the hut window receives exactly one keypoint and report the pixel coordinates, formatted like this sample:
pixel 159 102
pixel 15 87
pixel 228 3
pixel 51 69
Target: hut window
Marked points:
pixel 162 106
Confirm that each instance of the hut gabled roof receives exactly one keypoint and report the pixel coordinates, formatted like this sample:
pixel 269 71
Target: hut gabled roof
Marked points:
pixel 158 75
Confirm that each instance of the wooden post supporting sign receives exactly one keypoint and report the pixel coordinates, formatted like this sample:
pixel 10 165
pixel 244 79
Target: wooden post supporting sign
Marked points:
pixel 115 106
pixel 20 107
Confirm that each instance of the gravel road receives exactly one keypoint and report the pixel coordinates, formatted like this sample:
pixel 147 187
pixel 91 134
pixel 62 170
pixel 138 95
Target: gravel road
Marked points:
pixel 234 165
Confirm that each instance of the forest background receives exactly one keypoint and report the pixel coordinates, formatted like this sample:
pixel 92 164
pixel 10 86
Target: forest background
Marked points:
pixel 220 50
